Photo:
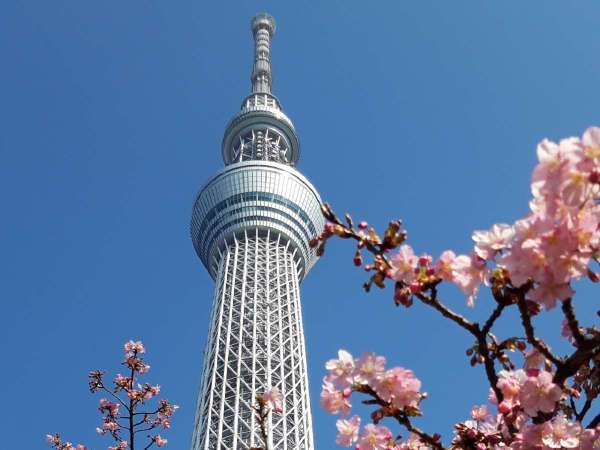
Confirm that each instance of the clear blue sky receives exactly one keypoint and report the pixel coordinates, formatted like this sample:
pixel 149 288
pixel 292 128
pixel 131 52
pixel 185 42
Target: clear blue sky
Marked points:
pixel 112 115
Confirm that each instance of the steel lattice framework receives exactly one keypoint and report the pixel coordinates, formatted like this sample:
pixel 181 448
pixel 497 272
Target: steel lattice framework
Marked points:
pixel 251 227
pixel 255 341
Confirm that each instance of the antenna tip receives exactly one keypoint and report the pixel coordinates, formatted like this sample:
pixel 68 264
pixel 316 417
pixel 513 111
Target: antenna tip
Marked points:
pixel 263 20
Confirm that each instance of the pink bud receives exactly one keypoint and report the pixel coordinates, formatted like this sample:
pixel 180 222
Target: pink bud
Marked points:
pixel 347 392
pixel 328 230
pixel 533 372
pixel 415 287
pixel 424 260
pixel 504 408
pixel 363 225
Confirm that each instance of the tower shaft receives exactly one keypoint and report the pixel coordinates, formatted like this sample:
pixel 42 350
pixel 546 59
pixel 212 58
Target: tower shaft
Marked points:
pixel 255 342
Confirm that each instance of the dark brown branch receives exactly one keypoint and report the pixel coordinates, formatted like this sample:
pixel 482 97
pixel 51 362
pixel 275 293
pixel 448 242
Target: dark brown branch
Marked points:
pixel 539 345
pixel 569 312
pixel 569 367
pixel 447 312
pixel 492 319
pixel 594 423
pixel 390 411
pixel 586 407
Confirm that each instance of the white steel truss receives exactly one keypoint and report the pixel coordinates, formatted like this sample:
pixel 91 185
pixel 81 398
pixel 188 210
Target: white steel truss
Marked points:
pixel 256 341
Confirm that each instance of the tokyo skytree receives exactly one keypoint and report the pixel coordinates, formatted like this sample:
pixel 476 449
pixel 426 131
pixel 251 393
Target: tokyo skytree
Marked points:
pixel 251 227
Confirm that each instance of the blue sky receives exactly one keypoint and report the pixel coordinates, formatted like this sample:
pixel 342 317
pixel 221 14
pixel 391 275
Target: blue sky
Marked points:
pixel 112 116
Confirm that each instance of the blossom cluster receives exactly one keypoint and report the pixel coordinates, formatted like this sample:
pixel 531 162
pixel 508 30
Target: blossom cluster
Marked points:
pixel 130 395
pixel 396 389
pixel 272 398
pixel 550 246
pixel 56 442
pixel 488 431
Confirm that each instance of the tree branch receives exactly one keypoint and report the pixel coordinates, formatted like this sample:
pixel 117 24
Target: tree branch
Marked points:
pixel 569 312
pixel 539 345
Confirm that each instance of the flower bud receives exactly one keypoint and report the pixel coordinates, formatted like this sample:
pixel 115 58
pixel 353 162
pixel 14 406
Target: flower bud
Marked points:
pixel 504 408
pixel 363 225
pixel 471 433
pixel 415 287
pixel 521 345
pixel 328 230
pixel 313 242
pixel 594 177
pixel 358 259
pixel 424 260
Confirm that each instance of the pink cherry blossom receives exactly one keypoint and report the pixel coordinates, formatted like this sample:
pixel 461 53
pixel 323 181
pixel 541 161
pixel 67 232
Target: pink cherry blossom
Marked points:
pixel 122 445
pixel 404 264
pixel 274 399
pixel 560 433
pixel 539 394
pixel 413 443
pixel 510 382
pixel 134 347
pixel 347 431
pixel 122 382
pixel 480 413
pixel 444 265
pixel 497 238
pixel 468 274
pixel 399 387
pixel 534 359
pixel 160 442
pixel 333 400
pixel 374 437
pixel 589 439
pixel 369 368
pixel 341 370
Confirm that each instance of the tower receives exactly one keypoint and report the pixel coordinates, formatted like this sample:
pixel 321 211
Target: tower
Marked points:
pixel 251 227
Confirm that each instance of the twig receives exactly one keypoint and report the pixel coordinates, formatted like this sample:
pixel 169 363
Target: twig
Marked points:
pixel 539 345
pixel 569 312
pixel 447 312
pixel 390 411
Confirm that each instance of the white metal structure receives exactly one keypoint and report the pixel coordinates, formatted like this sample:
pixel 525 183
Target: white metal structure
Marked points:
pixel 251 226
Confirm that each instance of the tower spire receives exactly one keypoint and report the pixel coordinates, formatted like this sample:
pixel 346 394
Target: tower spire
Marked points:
pixel 263 28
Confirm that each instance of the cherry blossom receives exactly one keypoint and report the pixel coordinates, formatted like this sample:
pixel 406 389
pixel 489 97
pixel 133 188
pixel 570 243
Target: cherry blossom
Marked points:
pixel 374 437
pixel 333 400
pixel 124 402
pixel 399 387
pixel 404 264
pixel 274 399
pixel 530 265
pixel 160 442
pixel 347 431
pixel 539 393
pixel 341 370
pixel 560 433
pixel 489 243
pixel 132 347
pixel 369 368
